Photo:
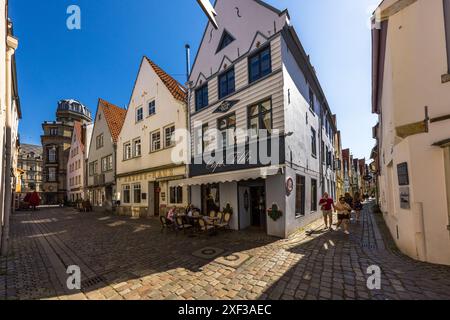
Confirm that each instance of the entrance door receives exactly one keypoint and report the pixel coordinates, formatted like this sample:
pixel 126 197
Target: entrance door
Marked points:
pixel 153 199
pixel 258 206
pixel 244 208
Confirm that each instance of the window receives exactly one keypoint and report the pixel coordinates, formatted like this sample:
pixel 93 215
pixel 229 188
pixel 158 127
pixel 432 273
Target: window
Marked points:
pixel 313 195
pixel 169 137
pixel 54 131
pixel 327 155
pixel 260 118
pixel 403 174
pixel 155 141
pixel 51 174
pixel 227 128
pixel 205 139
pixel 300 196
pixel 313 143
pixel 260 65
pixel 201 98
pixel 322 151
pixel 311 100
pixel 126 194
pixel 137 193
pixel 226 83
pixel 152 108
pixel 93 168
pixel 447 30
pixel 52 155
pixel 127 151
pixel 176 195
pixel 139 114
pixel 137 148
pixel 99 141
pixel 225 41
pixel 107 163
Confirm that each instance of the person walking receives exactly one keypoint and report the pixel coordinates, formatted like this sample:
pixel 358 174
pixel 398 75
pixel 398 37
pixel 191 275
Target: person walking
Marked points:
pixel 343 210
pixel 357 206
pixel 327 206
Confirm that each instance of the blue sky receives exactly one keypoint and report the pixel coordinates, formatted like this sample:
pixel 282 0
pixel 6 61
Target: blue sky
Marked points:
pixel 102 59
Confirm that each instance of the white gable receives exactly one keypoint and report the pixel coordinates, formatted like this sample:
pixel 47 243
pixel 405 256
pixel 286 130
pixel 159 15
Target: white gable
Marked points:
pixel 248 21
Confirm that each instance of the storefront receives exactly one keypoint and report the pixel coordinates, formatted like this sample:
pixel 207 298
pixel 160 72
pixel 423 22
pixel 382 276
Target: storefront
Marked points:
pixel 149 193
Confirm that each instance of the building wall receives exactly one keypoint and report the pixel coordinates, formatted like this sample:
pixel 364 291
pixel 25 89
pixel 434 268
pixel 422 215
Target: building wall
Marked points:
pixel 417 30
pixel 3 23
pixel 151 166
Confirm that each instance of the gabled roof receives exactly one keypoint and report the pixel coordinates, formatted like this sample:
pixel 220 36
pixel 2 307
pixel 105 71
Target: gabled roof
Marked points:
pixel 114 117
pixel 77 132
pixel 176 89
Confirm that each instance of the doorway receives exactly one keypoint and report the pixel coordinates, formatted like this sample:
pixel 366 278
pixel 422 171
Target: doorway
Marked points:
pixel 154 192
pixel 252 205
pixel 258 207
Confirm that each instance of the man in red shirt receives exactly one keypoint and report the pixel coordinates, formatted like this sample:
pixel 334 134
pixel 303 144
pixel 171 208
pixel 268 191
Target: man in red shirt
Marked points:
pixel 327 206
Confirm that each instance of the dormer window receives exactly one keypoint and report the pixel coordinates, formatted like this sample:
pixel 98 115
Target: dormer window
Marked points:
pixel 225 41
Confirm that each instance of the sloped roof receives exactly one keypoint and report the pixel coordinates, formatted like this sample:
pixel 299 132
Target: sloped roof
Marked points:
pixel 78 132
pixel 30 148
pixel 114 116
pixel 176 89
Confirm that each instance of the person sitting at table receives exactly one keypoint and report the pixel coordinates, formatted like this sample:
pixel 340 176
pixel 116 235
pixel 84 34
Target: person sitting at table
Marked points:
pixel 171 215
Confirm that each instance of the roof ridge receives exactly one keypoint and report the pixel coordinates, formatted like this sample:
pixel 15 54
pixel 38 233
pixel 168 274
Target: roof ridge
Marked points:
pixel 114 116
pixel 177 90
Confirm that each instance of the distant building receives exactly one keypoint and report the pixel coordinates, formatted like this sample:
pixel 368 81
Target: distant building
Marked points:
pixel 76 166
pixel 102 159
pixel 56 143
pixel 411 94
pixel 30 162
pixel 340 181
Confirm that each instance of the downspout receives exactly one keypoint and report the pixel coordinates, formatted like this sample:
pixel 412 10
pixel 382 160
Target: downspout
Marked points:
pixel 447 180
pixel 188 117
pixel 12 45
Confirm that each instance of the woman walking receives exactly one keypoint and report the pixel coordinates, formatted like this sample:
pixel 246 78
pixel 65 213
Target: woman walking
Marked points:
pixel 343 210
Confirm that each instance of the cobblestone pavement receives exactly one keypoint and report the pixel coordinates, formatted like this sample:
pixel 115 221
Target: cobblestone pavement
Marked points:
pixel 124 258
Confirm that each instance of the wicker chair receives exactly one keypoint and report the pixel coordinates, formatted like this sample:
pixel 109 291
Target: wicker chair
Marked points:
pixel 225 224
pixel 204 227
pixel 165 223
pixel 181 225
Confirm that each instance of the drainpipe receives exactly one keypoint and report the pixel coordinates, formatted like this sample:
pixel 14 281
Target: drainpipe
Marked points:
pixel 12 45
pixel 447 180
pixel 188 118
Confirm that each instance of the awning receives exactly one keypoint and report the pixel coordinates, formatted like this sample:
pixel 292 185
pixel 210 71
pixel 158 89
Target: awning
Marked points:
pixel 240 175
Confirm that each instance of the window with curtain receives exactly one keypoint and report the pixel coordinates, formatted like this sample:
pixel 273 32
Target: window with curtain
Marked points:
pixel 300 195
pixel 227 128
pixel 126 194
pixel 137 193
pixel 260 118
pixel 447 30
pixel 176 195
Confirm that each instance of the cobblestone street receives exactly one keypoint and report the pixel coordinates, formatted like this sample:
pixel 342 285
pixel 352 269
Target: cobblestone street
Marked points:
pixel 123 258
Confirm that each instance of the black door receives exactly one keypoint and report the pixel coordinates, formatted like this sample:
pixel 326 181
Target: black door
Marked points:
pixel 157 195
pixel 258 207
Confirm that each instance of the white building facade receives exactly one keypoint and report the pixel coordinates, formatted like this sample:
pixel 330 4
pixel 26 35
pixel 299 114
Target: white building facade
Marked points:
pixel 76 166
pixel 102 157
pixel 411 40
pixel 252 86
pixel 156 111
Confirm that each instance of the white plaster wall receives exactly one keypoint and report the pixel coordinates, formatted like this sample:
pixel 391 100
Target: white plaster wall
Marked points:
pixel 229 194
pixel 411 82
pixel 276 193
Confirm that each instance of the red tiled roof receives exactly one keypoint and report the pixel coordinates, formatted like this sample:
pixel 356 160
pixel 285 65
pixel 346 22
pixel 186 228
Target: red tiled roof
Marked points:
pixel 78 131
pixel 114 116
pixel 175 88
